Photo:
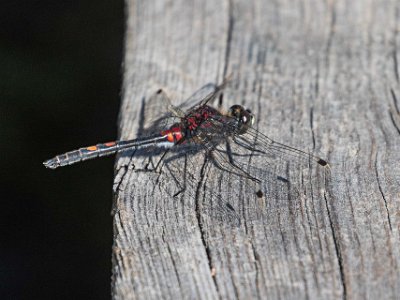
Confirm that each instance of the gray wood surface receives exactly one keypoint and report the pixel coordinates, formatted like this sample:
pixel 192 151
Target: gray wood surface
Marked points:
pixel 322 76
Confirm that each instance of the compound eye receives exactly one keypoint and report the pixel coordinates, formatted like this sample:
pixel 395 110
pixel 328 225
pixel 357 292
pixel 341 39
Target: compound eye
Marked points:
pixel 235 111
pixel 243 116
pixel 247 117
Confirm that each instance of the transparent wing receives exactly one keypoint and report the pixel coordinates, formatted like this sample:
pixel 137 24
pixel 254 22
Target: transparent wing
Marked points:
pixel 179 175
pixel 197 97
pixel 257 144
pixel 159 113
pixel 261 144
pixel 186 172
pixel 250 154
pixel 207 96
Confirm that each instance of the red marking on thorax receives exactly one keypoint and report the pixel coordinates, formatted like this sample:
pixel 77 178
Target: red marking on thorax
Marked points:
pixel 197 118
pixel 109 144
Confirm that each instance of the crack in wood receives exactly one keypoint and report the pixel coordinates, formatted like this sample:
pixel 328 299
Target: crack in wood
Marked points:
pixel 228 44
pixel 395 102
pixel 394 122
pixel 312 127
pixel 382 193
pixel 257 269
pixel 336 242
pixel 331 34
pixel 202 229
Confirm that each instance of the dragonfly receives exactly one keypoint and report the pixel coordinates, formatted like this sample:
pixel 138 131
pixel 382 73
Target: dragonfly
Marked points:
pixel 228 138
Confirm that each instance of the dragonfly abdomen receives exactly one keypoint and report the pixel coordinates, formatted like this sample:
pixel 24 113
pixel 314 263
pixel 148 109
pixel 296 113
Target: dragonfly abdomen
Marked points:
pixel 82 154
pixel 166 139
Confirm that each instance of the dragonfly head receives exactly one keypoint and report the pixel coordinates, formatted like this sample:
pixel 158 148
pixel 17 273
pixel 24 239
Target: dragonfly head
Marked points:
pixel 244 117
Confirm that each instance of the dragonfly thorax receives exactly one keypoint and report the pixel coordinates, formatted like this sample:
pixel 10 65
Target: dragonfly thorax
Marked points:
pixel 199 118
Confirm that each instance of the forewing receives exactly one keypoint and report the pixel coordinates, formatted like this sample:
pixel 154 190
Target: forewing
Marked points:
pixel 204 96
pixel 252 154
pixel 157 114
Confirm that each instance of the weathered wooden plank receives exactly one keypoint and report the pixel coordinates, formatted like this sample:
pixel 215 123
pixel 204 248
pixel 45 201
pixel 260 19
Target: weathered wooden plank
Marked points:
pixel 320 76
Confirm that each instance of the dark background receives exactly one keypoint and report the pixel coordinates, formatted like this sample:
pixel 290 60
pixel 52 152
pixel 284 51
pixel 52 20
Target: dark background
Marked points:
pixel 60 80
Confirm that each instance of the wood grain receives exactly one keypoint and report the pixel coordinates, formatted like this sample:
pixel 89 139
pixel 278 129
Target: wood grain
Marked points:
pixel 322 76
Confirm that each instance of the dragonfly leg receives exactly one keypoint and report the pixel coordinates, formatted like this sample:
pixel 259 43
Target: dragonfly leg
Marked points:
pixel 151 167
pixel 229 165
pixel 174 174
